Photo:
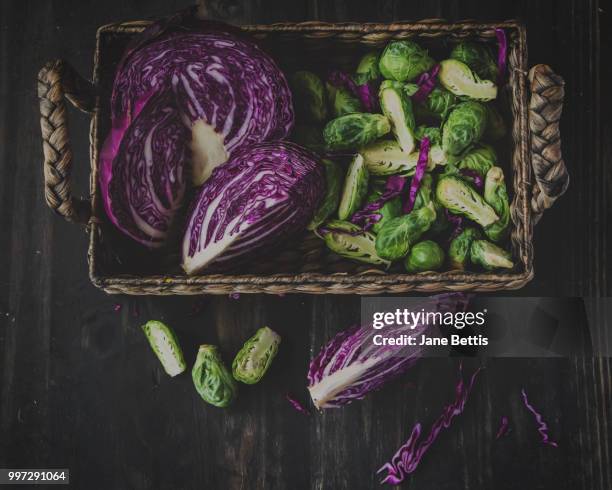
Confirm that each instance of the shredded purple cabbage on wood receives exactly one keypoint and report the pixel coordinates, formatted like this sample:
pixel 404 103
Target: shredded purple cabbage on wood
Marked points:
pixel 542 426
pixel 296 405
pixel 476 178
pixel 426 83
pixel 419 172
pixel 368 215
pixel 503 427
pixel 408 457
pixel 502 51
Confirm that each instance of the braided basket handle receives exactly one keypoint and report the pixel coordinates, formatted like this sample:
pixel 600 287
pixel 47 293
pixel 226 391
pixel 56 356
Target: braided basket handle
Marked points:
pixel 58 80
pixel 545 106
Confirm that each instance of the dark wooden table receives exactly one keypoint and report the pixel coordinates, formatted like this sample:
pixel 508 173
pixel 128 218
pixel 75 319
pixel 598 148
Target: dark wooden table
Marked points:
pixel 80 389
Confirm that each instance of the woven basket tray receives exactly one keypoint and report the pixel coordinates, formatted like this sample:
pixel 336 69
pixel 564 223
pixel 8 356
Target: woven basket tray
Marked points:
pixel 118 266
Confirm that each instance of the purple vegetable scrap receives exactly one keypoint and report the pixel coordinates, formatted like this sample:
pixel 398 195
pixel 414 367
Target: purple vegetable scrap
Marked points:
pixel 419 173
pixel 502 53
pixel 408 456
pixel 504 427
pixel 542 426
pixel 475 176
pixel 368 216
pixel 296 405
pixel 426 83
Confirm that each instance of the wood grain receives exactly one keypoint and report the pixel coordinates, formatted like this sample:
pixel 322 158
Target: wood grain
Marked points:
pixel 79 387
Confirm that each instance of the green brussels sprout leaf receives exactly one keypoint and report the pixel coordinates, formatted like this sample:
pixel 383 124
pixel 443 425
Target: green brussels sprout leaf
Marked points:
pixel 367 69
pixel 496 195
pixel 211 378
pixel 478 57
pixel 459 248
pixel 333 181
pixel 479 160
pixel 342 101
pixel 256 355
pixel 309 96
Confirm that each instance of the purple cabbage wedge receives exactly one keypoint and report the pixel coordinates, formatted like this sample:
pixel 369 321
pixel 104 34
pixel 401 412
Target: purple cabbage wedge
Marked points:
pixel 262 196
pixel 142 174
pixel 183 102
pixel 351 365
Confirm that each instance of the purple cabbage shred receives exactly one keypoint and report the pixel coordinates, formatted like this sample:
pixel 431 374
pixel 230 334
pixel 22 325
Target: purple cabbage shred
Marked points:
pixel 418 175
pixel 542 426
pixel 475 176
pixel 297 405
pixel 368 215
pixel 457 221
pixel 365 92
pixel 503 427
pixel 426 83
pixel 408 457
pixel 502 51
pixel 234 295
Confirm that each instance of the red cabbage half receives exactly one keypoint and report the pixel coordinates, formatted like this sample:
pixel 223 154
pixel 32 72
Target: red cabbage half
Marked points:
pixel 260 197
pixel 183 102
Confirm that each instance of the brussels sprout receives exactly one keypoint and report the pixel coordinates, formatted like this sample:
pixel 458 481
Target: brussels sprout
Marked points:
pixel 398 109
pixel 459 79
pixel 256 355
pixel 355 188
pixel 310 137
pixel 460 198
pixel 309 96
pixel 459 249
pixel 391 209
pixel 165 344
pixel 424 194
pixel 404 61
pixel 463 127
pixel 434 134
pixel 355 130
pixel 479 160
pixel 211 378
pixel 496 196
pixel 333 181
pixel 489 255
pixel 367 69
pixel 496 127
pixel 477 57
pixel 425 256
pixel 398 234
pixel 437 105
pixel 350 241
pixel 342 101
pixel 386 157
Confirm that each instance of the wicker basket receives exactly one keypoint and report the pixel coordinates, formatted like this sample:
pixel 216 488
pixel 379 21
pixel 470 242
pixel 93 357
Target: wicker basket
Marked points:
pixel 118 266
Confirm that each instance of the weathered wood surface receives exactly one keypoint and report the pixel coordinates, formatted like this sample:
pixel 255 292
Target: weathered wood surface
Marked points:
pixel 79 387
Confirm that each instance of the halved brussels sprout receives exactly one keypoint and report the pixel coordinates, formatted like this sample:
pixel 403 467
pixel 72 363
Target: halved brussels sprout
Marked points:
pixel 398 234
pixel 342 101
pixel 355 188
pixel 425 256
pixel 309 96
pixel 490 256
pixel 256 355
pixel 459 249
pixel 398 109
pixel 211 378
pixel 460 80
pixel 479 160
pixel 352 131
pixel 333 187
pixel 463 127
pixel 404 61
pixel 367 69
pixel 459 197
pixel 496 195
pixel 386 157
pixel 310 137
pixel 350 241
pixel 165 344
pixel 478 57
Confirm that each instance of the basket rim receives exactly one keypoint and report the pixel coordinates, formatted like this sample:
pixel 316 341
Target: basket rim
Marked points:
pixel 380 281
